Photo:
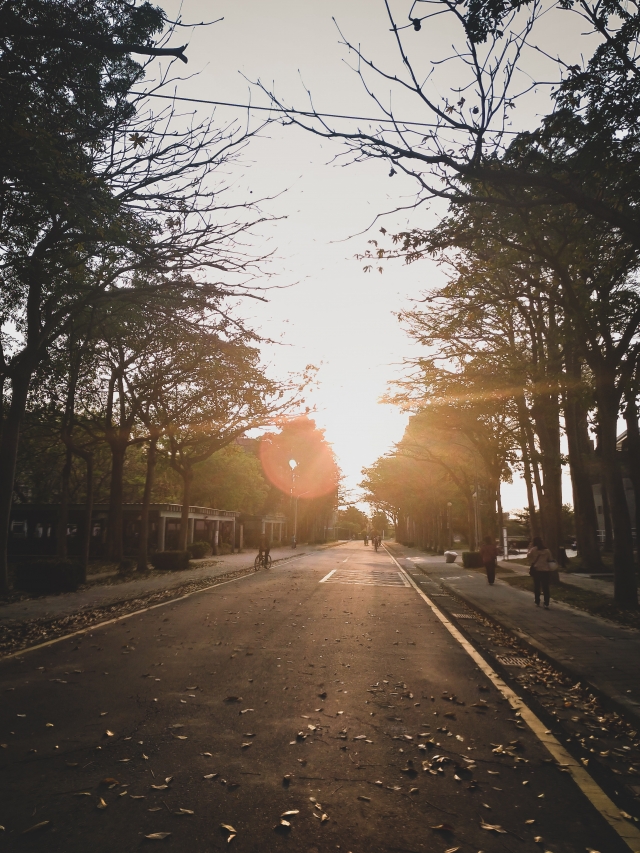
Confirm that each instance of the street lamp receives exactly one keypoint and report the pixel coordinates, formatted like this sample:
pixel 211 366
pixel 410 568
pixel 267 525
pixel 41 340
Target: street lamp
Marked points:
pixel 449 531
pixel 293 465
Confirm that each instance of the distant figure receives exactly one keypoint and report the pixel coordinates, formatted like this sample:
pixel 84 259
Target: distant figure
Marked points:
pixel 264 547
pixel 541 564
pixel 366 538
pixel 489 555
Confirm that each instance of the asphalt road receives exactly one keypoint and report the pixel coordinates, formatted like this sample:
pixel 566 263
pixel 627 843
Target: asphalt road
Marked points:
pixel 343 700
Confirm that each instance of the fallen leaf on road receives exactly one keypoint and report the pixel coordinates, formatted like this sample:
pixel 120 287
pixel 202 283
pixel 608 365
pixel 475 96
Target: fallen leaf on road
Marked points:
pixel 82 794
pixel 181 737
pixel 364 799
pixel 486 806
pixel 159 787
pixel 191 688
pixel 246 710
pixel 109 781
pixel 324 818
pixel 137 796
pixel 155 809
pixel 443 827
pixel 185 811
pixel 101 804
pixel 211 776
pixel 246 745
pixel 108 733
pixel 492 827
pixel 529 821
pixel 158 836
pixel 42 825
pixel 232 699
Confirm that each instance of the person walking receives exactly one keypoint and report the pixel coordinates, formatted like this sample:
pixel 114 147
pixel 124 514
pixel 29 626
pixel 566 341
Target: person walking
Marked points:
pixel 489 555
pixel 541 564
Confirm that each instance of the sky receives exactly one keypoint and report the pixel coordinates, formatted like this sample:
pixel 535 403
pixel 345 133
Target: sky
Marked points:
pixel 321 307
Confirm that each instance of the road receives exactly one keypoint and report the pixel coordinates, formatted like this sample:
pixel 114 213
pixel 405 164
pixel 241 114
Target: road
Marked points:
pixel 342 700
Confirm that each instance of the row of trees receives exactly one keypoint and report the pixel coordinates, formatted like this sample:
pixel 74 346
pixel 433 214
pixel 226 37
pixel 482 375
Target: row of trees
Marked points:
pixel 120 245
pixel 537 330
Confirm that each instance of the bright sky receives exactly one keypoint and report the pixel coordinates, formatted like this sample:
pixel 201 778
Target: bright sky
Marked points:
pixel 327 311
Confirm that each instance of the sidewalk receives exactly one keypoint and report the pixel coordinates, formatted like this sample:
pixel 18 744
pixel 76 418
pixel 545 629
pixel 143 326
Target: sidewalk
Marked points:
pixel 94 595
pixel 583 581
pixel 594 650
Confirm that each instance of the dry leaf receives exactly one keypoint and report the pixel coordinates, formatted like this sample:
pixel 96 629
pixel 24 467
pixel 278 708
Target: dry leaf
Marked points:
pixel 158 836
pixel 137 796
pixel 185 811
pixel 246 745
pixel 452 850
pixel 364 799
pixel 492 827
pixel 528 822
pixel 324 818
pixel 211 776
pixel 101 804
pixel 109 781
pixel 159 787
pixel 108 733
pixel 443 827
pixel 290 812
pixel 228 828
pixel 42 825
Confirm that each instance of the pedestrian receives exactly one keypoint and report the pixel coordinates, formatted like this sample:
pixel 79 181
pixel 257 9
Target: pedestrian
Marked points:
pixel 541 564
pixel 489 555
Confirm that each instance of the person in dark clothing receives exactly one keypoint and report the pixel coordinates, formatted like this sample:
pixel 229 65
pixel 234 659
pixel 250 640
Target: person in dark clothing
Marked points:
pixel 542 564
pixel 489 555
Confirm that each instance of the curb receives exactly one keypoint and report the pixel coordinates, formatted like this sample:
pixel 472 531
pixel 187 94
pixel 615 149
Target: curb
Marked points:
pixel 618 702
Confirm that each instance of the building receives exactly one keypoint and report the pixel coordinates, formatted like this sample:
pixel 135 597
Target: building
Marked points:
pixel 621 447
pixel 33 528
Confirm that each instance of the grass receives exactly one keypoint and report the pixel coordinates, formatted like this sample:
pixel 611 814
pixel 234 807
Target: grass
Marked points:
pixel 591 602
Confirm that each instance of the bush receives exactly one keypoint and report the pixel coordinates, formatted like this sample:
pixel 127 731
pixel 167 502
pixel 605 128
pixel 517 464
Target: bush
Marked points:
pixel 46 576
pixel 472 560
pixel 224 548
pixel 170 561
pixel 199 549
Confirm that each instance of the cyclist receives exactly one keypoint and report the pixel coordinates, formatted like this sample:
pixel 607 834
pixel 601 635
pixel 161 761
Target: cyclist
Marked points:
pixel 264 549
pixel 366 538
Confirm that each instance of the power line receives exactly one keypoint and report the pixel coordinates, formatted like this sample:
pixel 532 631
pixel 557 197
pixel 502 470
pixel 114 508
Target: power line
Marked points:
pixel 290 112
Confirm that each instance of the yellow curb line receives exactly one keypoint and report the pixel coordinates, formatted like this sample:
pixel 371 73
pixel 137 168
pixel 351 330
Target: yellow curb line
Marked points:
pixel 97 625
pixel 594 793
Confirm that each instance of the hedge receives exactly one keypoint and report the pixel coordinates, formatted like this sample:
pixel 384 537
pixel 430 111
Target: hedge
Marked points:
pixel 472 560
pixel 199 549
pixel 46 576
pixel 170 561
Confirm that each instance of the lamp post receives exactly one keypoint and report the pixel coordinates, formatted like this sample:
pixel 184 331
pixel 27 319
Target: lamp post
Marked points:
pixel 293 465
pixel 449 531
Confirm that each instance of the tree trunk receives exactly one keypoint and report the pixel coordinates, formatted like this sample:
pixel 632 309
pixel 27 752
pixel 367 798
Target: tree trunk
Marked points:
pixel 607 546
pixel 114 529
pixel 187 478
pixel 8 453
pixel 633 458
pixel 500 516
pixel 527 452
pixel 143 555
pixel 547 418
pixel 62 549
pixel 625 581
pixel 575 418
pixel 88 516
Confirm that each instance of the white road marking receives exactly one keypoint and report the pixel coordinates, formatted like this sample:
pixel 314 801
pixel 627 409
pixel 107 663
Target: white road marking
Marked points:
pixel 365 577
pixel 326 577
pixel 594 793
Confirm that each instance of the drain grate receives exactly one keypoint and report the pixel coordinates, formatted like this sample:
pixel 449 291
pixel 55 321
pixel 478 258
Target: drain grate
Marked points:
pixel 463 616
pixel 513 661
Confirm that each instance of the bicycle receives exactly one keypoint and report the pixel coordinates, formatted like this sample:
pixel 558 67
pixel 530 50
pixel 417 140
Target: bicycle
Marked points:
pixel 262 561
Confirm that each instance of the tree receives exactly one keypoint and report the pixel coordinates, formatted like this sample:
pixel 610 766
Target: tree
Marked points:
pixel 231 478
pixel 352 520
pixel 97 186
